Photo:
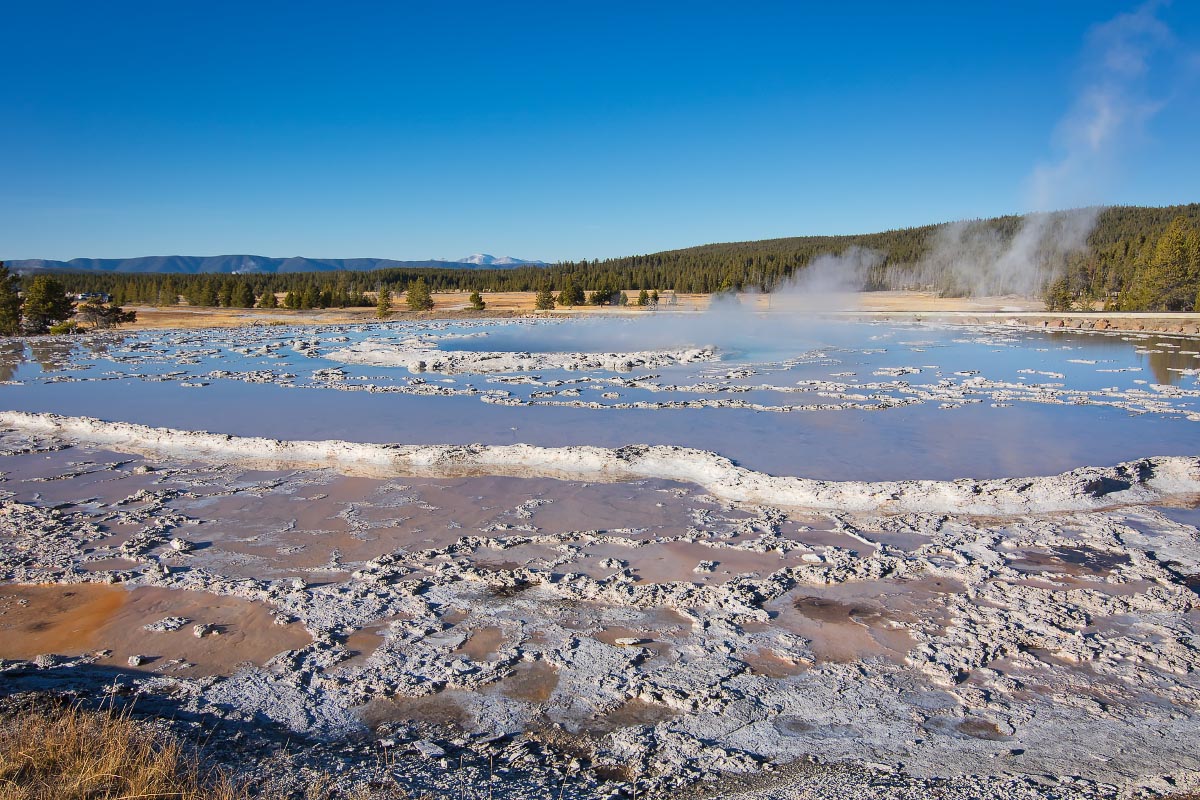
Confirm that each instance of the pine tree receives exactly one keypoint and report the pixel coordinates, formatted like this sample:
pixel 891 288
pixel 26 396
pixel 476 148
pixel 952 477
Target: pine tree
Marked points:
pixel 45 303
pixel 1170 277
pixel 384 305
pixel 243 296
pixel 654 297
pixel 268 300
pixel 643 298
pixel 10 303
pixel 102 315
pixel 1058 296
pixel 607 293
pixel 418 297
pixel 207 295
pixel 476 301
pixel 544 301
pixel 168 294
pixel 290 301
pixel 570 295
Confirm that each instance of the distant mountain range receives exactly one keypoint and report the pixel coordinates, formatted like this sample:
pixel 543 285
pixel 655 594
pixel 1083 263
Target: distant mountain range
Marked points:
pixel 241 265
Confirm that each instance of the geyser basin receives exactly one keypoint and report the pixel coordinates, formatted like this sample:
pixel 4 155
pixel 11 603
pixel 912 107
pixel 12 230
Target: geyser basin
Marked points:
pixel 675 615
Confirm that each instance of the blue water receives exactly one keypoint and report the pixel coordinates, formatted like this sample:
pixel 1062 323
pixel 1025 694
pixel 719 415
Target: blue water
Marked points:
pixel 114 378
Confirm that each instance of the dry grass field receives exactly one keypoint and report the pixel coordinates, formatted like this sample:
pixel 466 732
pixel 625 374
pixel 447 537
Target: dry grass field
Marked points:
pixel 49 753
pixel 505 304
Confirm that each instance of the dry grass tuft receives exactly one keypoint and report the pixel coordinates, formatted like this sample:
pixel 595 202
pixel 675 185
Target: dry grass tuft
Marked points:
pixel 71 754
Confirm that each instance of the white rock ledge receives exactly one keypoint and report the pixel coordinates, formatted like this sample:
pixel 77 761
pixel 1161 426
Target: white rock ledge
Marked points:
pixel 426 357
pixel 1146 480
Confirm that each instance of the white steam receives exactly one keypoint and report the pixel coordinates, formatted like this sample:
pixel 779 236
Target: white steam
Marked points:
pixel 978 259
pixel 1109 113
pixel 731 323
pixel 829 282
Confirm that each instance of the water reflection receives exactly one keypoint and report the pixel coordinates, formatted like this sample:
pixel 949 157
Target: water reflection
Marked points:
pixel 97 347
pixel 1168 366
pixel 11 355
pixel 1168 358
pixel 52 355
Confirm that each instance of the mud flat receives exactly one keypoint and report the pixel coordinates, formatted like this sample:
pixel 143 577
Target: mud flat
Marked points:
pixel 594 629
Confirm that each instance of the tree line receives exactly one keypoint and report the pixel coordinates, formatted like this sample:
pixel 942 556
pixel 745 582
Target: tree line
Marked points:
pixel 1122 265
pixel 42 305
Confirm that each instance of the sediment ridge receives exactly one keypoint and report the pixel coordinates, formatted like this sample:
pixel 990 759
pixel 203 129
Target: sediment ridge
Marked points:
pixel 1087 488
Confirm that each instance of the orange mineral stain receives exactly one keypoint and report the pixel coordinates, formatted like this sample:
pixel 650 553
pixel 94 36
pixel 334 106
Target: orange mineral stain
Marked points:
pixel 55 618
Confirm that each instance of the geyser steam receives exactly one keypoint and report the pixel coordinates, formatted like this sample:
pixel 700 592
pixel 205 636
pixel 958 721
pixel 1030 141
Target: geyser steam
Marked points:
pixel 1110 110
pixel 829 282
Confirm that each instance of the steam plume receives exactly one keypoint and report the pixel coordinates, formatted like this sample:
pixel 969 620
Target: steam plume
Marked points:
pixel 1109 113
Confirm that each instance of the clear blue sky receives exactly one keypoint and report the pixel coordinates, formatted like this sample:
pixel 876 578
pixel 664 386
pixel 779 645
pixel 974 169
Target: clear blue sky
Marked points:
pixel 551 130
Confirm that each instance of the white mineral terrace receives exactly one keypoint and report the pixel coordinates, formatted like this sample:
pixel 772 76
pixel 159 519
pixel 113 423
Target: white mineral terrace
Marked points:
pixel 1143 481
pixel 422 355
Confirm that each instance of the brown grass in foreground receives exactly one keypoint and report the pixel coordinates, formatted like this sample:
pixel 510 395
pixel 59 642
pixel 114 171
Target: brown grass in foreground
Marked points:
pixel 70 754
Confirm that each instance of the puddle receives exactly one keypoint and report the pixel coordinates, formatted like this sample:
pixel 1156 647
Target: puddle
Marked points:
pixel 74 619
pixel 853 621
pixel 56 619
pixel 770 664
pixel 629 714
pixel 481 645
pixel 1068 561
pixel 441 708
pixel 363 642
pixel 966 728
pixel 531 681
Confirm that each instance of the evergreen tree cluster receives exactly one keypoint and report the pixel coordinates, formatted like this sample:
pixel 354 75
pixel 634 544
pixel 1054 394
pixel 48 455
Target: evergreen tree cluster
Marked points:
pixel 42 305
pixel 1116 266
pixel 1166 272
pixel 1138 259
pixel 418 296
pixel 544 299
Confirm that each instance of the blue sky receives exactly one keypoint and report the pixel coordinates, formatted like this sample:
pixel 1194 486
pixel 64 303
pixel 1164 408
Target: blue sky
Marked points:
pixel 562 130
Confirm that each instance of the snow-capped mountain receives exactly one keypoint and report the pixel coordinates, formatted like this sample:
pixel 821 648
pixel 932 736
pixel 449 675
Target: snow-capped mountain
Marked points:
pixel 487 260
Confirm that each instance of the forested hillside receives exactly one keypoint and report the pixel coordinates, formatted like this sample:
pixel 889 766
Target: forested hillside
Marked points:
pixel 1122 261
